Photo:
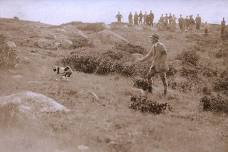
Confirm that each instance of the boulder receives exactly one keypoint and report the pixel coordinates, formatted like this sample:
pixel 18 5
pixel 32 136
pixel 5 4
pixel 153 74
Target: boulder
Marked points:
pixel 31 102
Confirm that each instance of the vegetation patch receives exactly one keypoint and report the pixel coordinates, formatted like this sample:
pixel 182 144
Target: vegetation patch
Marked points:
pixel 144 105
pixel 215 103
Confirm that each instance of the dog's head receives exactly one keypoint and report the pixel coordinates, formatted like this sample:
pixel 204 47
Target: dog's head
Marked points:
pixel 55 68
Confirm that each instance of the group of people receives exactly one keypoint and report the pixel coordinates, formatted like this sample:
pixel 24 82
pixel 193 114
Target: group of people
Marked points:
pixel 189 23
pixel 138 18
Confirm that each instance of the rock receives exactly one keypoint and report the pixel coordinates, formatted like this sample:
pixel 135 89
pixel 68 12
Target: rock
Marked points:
pixel 83 147
pixel 66 44
pixel 31 102
pixel 11 45
pixel 47 44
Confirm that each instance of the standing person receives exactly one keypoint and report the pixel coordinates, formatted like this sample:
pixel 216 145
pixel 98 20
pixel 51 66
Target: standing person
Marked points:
pixel 191 23
pixel 140 17
pixel 119 17
pixel 145 18
pixel 181 23
pixel 136 19
pixel 186 23
pixel 166 21
pixel 161 22
pixel 158 54
pixel 170 19
pixel 130 19
pixel 223 26
pixel 151 16
pixel 198 22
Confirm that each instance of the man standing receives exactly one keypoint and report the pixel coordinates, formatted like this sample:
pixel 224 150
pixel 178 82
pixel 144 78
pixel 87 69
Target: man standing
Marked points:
pixel 198 22
pixel 223 26
pixel 140 17
pixel 145 18
pixel 181 23
pixel 130 19
pixel 151 16
pixel 166 21
pixel 191 23
pixel 119 17
pixel 136 18
pixel 159 65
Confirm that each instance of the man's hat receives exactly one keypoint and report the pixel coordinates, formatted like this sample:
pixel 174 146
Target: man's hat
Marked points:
pixel 156 36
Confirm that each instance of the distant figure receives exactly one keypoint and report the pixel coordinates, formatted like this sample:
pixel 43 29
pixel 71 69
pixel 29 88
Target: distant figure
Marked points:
pixel 223 27
pixel 161 22
pixel 130 19
pixel 145 18
pixel 119 17
pixel 206 29
pixel 187 23
pixel 136 19
pixel 166 21
pixel 170 18
pixel 191 23
pixel 181 23
pixel 140 17
pixel 198 22
pixel 151 18
pixel 158 54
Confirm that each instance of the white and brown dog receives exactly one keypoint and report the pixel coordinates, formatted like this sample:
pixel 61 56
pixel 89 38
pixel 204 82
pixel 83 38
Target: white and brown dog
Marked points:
pixel 63 72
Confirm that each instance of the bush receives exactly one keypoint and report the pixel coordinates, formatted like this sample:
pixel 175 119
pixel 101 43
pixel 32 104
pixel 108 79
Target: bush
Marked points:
pixel 189 58
pixel 221 83
pixel 141 83
pixel 104 63
pixel 7 55
pixel 81 42
pixel 216 103
pixel 144 105
pixel 130 48
pixel 189 72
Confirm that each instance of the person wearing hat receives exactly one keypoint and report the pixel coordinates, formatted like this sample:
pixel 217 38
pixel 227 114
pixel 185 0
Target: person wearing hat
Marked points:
pixel 158 54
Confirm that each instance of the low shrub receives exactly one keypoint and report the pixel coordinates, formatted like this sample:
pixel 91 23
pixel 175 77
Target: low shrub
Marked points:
pixel 7 55
pixel 144 105
pixel 216 103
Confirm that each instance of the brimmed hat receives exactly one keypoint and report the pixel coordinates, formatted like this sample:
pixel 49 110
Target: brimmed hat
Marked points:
pixel 156 36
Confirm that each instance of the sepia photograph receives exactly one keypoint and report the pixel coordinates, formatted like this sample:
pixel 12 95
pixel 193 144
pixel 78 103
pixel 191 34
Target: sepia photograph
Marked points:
pixel 113 76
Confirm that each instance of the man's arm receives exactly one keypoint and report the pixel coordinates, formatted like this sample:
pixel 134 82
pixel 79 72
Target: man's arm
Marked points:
pixel 149 55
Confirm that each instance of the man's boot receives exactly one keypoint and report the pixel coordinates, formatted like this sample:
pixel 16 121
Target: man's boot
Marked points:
pixel 150 89
pixel 165 92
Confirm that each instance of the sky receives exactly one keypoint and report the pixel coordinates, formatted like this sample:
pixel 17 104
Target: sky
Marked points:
pixel 62 11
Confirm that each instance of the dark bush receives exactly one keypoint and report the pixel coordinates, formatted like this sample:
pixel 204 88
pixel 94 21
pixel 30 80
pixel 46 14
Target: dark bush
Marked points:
pixel 144 105
pixel 130 48
pixel 189 72
pixel 189 58
pixel 141 83
pixel 81 42
pixel 216 103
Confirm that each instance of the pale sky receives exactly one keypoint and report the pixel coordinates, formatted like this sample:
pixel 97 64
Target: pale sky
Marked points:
pixel 63 11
